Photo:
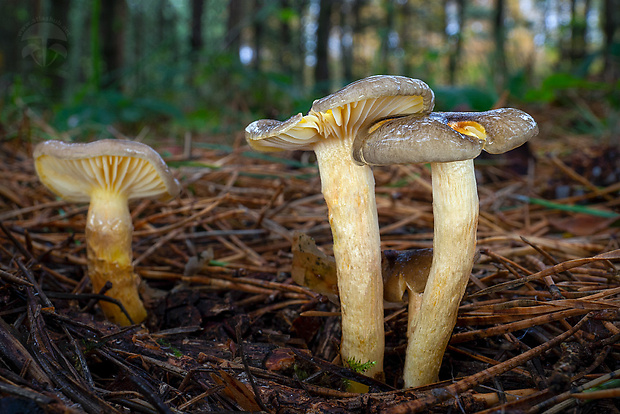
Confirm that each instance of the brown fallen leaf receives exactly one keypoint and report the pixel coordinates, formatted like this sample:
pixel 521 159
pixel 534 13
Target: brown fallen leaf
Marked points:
pixel 312 268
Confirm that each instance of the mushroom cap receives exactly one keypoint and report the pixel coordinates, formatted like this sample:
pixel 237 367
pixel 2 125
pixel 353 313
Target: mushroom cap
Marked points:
pixel 504 129
pixel 405 270
pixel 269 135
pixel 343 113
pixel 414 139
pixel 74 170
pixel 443 136
pixel 377 86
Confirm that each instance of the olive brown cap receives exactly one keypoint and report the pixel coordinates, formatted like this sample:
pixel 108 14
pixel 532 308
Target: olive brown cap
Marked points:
pixel 443 136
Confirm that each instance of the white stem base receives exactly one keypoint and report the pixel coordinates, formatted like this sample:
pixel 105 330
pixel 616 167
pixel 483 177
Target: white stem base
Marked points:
pixel 349 193
pixel 455 215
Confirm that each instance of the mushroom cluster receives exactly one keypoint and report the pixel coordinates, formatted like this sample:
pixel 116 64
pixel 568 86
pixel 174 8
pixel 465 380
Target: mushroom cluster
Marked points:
pixel 385 120
pixel 107 174
pixel 449 141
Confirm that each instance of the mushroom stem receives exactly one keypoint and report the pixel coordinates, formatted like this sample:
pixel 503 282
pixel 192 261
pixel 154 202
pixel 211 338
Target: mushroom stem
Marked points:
pixel 348 190
pixel 455 212
pixel 413 308
pixel 108 241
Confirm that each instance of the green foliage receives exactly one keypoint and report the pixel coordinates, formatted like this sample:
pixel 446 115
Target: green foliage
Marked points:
pixel 466 98
pixel 574 92
pixel 518 84
pixel 167 346
pixel 210 92
pixel 287 14
pixel 93 111
pixel 227 95
pixel 16 98
pixel 568 207
pixel 555 87
pixel 360 367
pixel 611 384
pixel 300 372
pixel 201 119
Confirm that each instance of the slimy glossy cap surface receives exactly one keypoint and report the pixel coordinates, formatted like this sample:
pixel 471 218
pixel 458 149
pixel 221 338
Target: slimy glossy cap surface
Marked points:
pixel 442 136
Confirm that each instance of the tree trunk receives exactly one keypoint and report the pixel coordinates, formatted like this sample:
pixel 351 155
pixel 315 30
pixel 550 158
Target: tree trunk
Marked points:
pixel 455 40
pixel 138 45
pixel 611 31
pixel 578 28
pixel 59 12
pixel 112 40
pixel 167 33
pixel 257 27
pixel 195 41
pixel 233 27
pixel 95 46
pixel 285 55
pixel 386 47
pixel 346 39
pixel 321 70
pixel 406 37
pixel 298 49
pixel 499 33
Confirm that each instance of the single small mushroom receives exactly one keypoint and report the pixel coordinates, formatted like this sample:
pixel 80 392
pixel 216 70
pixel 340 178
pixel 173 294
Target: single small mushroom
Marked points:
pixel 348 188
pixel 448 141
pixel 406 271
pixel 107 174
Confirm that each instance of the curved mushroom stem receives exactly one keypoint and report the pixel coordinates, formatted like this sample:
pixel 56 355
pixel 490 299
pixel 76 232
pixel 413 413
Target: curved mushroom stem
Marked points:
pixel 413 308
pixel 455 215
pixel 348 190
pixel 108 241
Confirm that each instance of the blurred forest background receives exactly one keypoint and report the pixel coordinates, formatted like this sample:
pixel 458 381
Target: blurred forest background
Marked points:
pixel 165 68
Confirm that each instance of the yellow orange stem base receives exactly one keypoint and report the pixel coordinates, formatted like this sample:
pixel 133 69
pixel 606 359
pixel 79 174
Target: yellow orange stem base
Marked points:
pixel 108 239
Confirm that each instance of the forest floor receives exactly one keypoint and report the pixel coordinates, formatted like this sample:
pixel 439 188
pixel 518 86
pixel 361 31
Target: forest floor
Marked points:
pixel 228 330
